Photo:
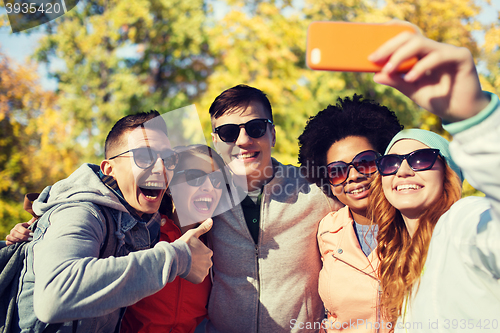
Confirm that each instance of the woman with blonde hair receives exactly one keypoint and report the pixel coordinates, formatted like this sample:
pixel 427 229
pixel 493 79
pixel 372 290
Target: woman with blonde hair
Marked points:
pixel 405 233
pixel 439 256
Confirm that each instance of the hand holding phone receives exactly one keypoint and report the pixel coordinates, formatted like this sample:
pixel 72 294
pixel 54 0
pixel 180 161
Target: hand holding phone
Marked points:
pixel 345 46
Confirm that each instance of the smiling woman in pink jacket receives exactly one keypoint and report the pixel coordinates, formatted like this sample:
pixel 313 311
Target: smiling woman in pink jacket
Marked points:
pixel 338 150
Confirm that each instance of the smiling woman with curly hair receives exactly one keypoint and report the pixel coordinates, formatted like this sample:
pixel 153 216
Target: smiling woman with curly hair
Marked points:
pixel 338 149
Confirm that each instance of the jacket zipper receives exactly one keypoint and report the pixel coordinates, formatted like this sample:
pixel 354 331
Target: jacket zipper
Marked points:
pixel 257 258
pixel 258 286
pixel 379 291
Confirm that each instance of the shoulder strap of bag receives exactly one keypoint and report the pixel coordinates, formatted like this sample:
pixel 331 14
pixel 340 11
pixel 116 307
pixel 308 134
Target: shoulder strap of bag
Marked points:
pixel 11 264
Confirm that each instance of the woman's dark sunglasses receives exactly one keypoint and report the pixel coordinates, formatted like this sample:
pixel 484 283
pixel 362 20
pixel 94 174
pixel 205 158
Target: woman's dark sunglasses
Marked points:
pixel 195 177
pixel 255 129
pixel 145 157
pixel 364 163
pixel 418 160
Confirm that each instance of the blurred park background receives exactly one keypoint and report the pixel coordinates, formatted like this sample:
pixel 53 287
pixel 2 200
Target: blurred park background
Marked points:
pixel 117 57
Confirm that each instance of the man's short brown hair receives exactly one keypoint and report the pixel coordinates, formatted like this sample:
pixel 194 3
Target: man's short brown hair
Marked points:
pixel 239 96
pixel 129 123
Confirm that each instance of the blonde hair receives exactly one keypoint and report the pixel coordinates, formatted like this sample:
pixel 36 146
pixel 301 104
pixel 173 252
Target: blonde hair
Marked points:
pixel 402 257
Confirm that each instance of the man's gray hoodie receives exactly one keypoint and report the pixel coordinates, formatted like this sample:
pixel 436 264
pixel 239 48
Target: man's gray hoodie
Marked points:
pixel 64 279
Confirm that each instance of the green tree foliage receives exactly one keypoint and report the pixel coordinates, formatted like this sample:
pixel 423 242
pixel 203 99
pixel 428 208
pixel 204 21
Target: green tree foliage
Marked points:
pixel 265 49
pixel 118 57
pixel 263 44
pixel 122 57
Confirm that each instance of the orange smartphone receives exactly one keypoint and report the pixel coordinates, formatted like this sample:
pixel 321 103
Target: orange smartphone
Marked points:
pixel 345 46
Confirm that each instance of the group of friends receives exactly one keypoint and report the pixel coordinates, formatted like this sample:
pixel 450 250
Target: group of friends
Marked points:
pixel 398 249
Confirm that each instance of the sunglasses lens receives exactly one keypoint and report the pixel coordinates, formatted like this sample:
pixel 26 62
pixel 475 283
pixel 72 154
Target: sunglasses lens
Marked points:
pixel 144 157
pixel 170 159
pixel 366 162
pixel 229 132
pixel 337 172
pixel 256 128
pixel 195 177
pixel 216 179
pixel 418 160
pixel 422 159
pixel 388 165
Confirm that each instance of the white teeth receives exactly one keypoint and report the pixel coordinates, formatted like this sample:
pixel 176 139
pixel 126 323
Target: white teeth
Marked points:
pixel 358 190
pixel 207 203
pixel 153 185
pixel 246 155
pixel 408 187
pixel 205 199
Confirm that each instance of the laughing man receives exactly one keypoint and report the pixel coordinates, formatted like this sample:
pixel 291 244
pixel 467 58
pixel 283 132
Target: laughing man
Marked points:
pixel 93 257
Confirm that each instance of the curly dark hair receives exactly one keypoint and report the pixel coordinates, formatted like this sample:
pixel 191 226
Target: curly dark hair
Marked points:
pixel 349 117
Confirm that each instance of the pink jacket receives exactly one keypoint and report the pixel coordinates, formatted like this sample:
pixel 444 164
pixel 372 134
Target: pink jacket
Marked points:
pixel 348 283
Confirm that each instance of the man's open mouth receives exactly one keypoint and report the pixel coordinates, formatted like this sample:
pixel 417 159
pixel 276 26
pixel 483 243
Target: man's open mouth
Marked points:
pixel 152 190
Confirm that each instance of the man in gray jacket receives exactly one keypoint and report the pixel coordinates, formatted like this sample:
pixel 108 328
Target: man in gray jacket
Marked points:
pixel 112 208
pixel 266 259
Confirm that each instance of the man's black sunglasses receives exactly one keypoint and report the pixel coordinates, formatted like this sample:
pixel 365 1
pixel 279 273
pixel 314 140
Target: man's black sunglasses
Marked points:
pixel 145 157
pixel 255 128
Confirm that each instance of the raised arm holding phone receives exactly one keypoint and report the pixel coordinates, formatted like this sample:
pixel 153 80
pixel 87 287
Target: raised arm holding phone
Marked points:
pixel 429 280
pixel 452 283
